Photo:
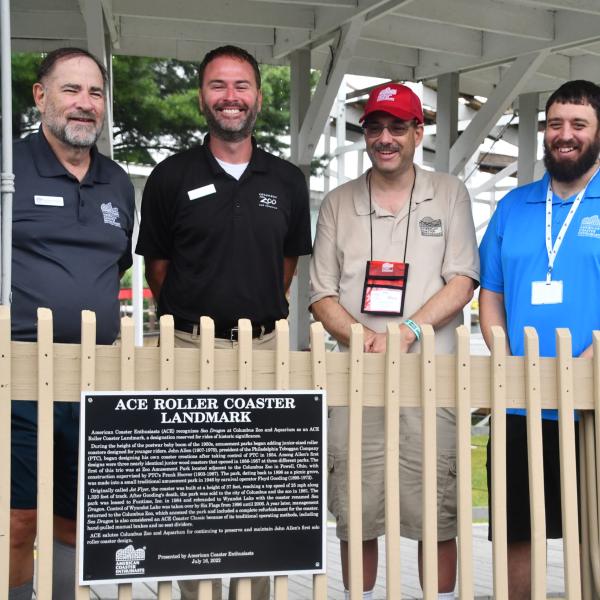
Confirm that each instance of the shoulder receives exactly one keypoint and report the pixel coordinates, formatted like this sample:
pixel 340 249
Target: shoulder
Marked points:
pixel 345 192
pixel 175 164
pixel 280 167
pixel 519 196
pixel 440 182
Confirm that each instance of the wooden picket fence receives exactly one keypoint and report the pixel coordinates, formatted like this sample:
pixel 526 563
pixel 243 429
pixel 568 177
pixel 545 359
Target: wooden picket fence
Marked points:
pixel 58 372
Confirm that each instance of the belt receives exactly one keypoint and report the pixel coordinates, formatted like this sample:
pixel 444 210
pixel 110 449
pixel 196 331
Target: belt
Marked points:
pixel 225 333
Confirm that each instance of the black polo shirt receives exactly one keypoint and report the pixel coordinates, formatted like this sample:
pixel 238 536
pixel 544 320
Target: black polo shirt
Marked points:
pixel 70 241
pixel 225 239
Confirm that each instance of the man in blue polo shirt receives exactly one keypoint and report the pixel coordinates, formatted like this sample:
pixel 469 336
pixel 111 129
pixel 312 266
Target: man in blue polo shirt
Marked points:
pixel 540 265
pixel 72 224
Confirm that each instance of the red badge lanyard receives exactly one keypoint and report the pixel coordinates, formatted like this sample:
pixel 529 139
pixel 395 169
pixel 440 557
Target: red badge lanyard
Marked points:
pixel 385 281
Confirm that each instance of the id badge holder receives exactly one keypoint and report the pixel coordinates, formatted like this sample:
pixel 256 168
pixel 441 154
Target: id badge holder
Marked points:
pixel 384 288
pixel 546 292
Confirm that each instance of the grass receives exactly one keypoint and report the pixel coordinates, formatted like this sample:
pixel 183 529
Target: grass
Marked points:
pixel 478 475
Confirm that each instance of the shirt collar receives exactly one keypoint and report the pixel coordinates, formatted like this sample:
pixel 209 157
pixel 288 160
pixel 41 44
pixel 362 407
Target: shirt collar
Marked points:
pixel 48 164
pixel 423 191
pixel 538 190
pixel 258 161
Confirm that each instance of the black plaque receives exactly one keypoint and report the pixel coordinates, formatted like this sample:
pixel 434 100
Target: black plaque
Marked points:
pixel 183 485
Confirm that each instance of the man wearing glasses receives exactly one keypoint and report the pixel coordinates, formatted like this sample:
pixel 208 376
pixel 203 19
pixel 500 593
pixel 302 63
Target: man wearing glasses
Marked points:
pixel 397 244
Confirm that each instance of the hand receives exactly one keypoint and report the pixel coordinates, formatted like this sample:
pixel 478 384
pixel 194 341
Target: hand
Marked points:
pixel 378 343
pixel 407 338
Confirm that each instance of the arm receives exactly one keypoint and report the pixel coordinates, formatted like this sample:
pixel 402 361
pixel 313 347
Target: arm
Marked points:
pixel 440 309
pixel 491 313
pixel 337 321
pixel 156 271
pixel 289 268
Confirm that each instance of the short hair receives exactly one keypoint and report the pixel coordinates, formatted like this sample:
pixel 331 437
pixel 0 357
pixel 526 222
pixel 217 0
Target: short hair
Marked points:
pixel 578 91
pixel 233 52
pixel 50 60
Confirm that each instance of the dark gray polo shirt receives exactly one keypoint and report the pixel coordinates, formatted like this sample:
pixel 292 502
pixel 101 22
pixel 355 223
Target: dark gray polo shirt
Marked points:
pixel 70 241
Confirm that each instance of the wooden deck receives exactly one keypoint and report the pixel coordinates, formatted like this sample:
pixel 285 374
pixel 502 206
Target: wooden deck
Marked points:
pixel 300 587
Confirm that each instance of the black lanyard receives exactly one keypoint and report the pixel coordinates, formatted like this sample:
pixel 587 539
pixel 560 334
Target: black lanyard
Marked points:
pixel 412 189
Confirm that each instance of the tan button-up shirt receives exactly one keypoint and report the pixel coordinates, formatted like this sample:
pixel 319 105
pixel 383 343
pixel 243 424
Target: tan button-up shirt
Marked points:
pixel 441 245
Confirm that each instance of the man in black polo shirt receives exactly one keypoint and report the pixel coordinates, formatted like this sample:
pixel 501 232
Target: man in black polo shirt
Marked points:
pixel 223 224
pixel 72 224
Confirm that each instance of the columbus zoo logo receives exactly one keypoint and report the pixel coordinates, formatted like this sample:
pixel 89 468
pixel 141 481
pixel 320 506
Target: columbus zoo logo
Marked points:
pixel 128 559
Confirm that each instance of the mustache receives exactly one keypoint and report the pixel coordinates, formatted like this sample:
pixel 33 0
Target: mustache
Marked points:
pixel 231 104
pixel 82 114
pixel 381 147
pixel 565 144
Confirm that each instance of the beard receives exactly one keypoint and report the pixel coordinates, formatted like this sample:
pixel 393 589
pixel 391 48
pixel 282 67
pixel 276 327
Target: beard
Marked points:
pixel 567 170
pixel 231 132
pixel 76 135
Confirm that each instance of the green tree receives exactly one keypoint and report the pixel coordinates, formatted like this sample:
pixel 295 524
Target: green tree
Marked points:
pixel 155 106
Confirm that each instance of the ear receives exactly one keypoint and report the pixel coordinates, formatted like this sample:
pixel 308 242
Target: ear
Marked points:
pixel 419 133
pixel 260 99
pixel 39 96
pixel 200 103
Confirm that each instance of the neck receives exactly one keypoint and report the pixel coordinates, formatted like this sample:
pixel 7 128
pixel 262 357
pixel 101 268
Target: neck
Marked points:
pixel 566 189
pixel 391 191
pixel 75 160
pixel 231 152
pixel 393 182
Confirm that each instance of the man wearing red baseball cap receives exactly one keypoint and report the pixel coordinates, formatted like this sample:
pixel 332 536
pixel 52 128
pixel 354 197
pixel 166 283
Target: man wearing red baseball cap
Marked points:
pixel 395 245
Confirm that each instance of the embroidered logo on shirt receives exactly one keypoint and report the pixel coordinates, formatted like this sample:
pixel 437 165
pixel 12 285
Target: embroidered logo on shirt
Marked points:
pixel 431 227
pixel 110 214
pixel 590 227
pixel 267 200
pixel 386 94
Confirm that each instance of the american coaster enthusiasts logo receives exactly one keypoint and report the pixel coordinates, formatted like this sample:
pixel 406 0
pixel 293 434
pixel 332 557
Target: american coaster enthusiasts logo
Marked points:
pixel 128 559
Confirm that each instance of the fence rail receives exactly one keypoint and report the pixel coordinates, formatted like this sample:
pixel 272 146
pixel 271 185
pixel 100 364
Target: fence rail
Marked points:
pixel 49 372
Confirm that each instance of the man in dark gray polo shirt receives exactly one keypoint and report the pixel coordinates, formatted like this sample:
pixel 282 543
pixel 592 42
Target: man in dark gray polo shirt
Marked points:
pixel 72 225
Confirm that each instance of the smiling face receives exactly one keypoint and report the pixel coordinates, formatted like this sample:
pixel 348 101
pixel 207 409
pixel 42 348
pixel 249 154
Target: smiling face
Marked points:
pixel 71 102
pixel 229 98
pixel 391 154
pixel 571 140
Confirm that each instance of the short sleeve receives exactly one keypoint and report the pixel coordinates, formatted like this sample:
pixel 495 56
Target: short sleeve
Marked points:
pixel 324 266
pixel 298 239
pixel 127 260
pixel 461 256
pixel 155 239
pixel 490 253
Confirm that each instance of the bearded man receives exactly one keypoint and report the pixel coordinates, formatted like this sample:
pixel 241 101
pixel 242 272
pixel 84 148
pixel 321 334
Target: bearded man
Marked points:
pixel 72 224
pixel 540 261
pixel 223 225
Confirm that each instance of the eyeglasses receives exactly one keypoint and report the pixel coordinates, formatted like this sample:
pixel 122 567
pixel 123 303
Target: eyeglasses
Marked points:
pixel 397 129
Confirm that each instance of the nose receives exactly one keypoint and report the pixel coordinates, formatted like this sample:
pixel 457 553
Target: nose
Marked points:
pixel 85 101
pixel 385 136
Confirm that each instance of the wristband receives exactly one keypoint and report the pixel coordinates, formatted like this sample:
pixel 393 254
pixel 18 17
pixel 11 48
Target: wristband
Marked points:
pixel 413 327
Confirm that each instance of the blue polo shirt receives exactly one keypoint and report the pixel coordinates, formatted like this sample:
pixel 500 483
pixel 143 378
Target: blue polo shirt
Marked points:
pixel 70 241
pixel 513 254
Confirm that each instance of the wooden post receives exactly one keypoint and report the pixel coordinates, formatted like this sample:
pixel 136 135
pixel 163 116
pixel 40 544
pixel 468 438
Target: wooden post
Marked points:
pixel 355 417
pixel 463 463
pixel 537 507
pixel 392 460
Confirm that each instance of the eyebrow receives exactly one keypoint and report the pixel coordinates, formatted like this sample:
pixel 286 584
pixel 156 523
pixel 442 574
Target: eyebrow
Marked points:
pixel 77 86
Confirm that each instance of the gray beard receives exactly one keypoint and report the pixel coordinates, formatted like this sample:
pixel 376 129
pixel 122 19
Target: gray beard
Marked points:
pixel 75 139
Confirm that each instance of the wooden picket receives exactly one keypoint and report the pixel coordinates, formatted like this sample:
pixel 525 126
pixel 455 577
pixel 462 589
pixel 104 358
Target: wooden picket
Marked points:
pixel 50 373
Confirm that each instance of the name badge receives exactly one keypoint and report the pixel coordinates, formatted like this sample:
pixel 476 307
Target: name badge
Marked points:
pixel 385 284
pixel 205 190
pixel 546 292
pixel 49 200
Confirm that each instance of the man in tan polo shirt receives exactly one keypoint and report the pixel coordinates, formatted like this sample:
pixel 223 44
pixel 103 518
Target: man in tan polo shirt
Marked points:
pixel 413 230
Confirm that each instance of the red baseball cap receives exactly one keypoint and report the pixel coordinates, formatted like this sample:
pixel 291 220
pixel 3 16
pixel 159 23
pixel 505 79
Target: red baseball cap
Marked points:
pixel 395 99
